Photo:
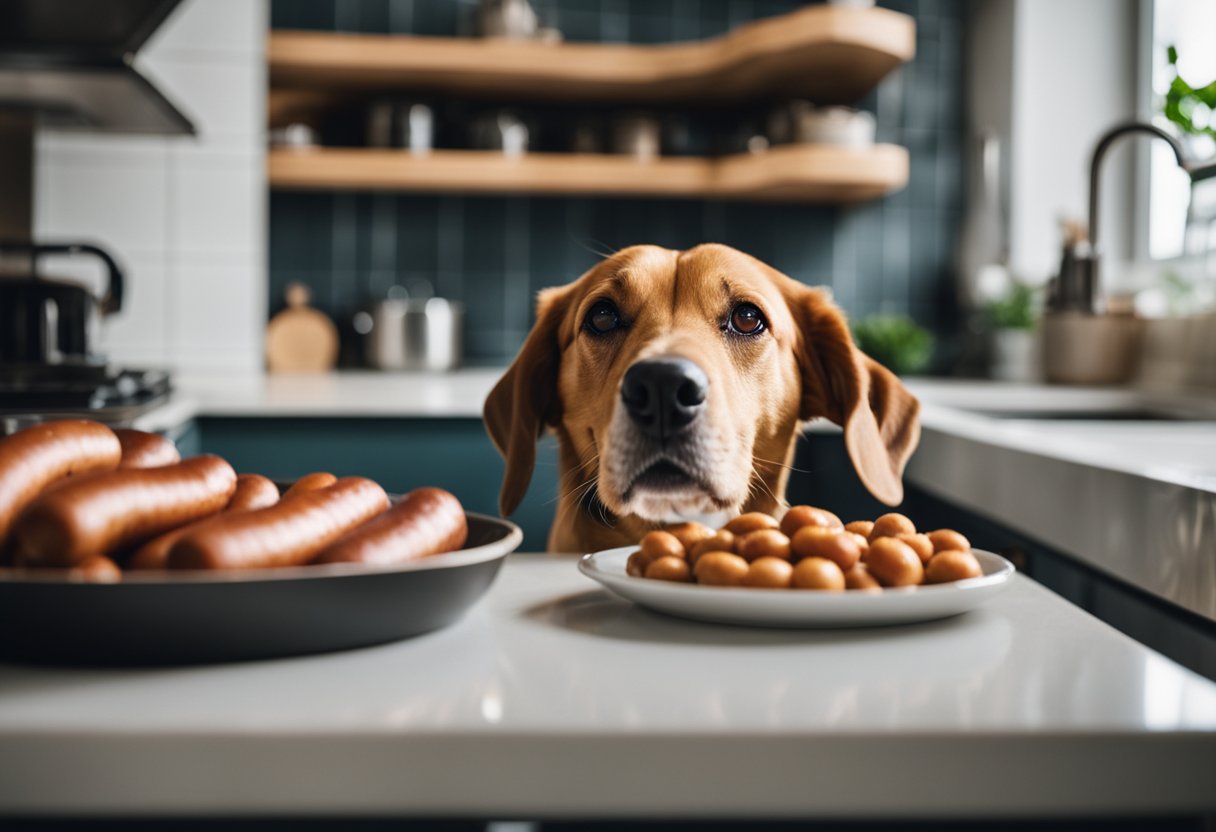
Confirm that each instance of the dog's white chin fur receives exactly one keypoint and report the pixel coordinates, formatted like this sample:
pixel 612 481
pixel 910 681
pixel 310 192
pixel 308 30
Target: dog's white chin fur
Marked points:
pixel 675 506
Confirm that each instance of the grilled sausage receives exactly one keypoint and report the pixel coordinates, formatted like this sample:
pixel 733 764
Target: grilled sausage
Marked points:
pixel 102 515
pixel 310 482
pixel 97 569
pixel 253 491
pixel 145 450
pixel 425 522
pixel 289 533
pixel 32 459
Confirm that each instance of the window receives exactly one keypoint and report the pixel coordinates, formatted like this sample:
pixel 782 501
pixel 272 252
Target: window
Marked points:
pixel 1190 27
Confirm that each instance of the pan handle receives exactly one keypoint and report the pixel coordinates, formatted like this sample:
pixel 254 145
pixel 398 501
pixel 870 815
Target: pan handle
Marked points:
pixel 111 301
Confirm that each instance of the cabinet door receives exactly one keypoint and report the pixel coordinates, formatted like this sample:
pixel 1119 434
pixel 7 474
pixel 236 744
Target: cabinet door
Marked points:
pixel 400 454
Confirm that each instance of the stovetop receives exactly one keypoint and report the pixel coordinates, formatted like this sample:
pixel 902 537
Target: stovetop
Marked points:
pixel 114 395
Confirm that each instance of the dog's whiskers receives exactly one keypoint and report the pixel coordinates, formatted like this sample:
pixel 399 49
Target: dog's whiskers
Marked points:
pixel 584 243
pixel 579 491
pixel 775 464
pixel 759 480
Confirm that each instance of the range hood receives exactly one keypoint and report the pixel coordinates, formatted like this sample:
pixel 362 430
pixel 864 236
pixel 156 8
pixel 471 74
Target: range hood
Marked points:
pixel 70 63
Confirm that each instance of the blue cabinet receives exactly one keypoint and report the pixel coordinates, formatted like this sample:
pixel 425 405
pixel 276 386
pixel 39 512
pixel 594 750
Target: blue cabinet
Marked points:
pixel 400 454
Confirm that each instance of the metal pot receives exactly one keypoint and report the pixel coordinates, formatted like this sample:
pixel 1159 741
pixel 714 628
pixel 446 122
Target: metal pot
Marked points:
pixel 45 320
pixel 418 333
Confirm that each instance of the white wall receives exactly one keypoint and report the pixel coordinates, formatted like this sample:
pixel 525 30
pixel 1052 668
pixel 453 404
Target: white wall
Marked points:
pixel 1051 76
pixel 185 215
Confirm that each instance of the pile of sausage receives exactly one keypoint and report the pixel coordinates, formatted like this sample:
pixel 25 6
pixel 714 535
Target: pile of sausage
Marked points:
pixel 80 497
pixel 808 549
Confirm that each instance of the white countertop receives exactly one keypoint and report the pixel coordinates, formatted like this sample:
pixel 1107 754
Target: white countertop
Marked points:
pixel 554 698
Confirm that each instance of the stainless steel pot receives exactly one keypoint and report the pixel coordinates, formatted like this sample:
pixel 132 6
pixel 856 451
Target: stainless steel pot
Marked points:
pixel 46 321
pixel 412 333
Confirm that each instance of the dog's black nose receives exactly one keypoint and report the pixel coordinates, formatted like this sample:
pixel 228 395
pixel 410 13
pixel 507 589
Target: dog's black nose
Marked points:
pixel 664 395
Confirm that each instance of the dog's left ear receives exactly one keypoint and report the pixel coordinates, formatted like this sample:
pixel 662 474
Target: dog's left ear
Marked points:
pixel 525 400
pixel 840 382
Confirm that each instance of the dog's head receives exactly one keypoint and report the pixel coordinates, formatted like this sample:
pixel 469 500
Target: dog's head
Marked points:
pixel 672 375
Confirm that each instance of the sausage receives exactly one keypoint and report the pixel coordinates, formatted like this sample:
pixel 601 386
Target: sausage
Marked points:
pixel 289 533
pixel 97 569
pixel 253 491
pixel 425 522
pixel 310 482
pixel 102 515
pixel 32 459
pixel 145 450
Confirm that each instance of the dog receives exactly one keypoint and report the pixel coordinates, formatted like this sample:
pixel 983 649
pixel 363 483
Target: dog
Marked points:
pixel 676 382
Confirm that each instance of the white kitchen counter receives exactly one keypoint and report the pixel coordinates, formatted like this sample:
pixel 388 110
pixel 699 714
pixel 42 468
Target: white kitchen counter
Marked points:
pixel 553 698
pixel 1136 500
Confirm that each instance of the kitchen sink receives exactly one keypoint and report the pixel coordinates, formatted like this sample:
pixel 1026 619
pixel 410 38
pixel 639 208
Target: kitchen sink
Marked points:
pixel 1099 415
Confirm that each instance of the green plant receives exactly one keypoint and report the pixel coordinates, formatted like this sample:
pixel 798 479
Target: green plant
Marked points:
pixel 895 341
pixel 1182 102
pixel 1017 310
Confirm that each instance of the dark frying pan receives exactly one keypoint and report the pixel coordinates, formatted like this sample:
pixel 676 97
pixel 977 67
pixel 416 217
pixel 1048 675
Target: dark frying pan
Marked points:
pixel 194 617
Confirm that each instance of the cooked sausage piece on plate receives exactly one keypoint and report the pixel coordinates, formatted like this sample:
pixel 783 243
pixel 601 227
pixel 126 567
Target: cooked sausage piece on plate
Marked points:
pixel 253 491
pixel 289 533
pixel 310 482
pixel 425 522
pixel 38 456
pixel 141 449
pixel 105 514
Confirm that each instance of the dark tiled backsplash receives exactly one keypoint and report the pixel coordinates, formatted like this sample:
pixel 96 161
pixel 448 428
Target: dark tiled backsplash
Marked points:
pixel 493 253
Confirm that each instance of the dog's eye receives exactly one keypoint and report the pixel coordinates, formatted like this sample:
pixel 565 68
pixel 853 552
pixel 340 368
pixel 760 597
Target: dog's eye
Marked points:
pixel 746 319
pixel 602 318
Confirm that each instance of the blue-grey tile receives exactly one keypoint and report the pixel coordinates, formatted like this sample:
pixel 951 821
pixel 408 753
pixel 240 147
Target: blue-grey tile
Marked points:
pixel 401 16
pixel 299 229
pixel 579 26
pixel 438 19
pixel 302 14
pixel 649 29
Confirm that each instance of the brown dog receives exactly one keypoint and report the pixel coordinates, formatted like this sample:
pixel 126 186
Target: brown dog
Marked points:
pixel 676 382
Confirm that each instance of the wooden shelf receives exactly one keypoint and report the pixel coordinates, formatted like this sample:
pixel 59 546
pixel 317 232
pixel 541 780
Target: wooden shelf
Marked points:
pixel 830 54
pixel 803 173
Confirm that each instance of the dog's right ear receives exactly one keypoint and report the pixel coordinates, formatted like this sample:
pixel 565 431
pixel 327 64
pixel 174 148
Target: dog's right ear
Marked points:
pixel 526 399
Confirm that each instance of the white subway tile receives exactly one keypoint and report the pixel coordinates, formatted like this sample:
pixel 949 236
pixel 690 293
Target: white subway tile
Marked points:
pixel 218 202
pixel 139 333
pixel 223 27
pixel 117 196
pixel 218 316
pixel 226 101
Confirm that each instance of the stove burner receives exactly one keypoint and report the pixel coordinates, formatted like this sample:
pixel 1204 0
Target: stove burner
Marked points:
pixel 98 391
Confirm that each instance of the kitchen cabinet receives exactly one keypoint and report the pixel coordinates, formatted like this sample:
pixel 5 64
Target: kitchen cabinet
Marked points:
pixel 400 454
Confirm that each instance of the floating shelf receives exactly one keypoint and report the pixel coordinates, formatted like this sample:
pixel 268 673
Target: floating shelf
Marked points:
pixel 803 173
pixel 830 54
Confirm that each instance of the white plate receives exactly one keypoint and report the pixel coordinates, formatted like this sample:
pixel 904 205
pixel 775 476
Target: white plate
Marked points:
pixel 798 608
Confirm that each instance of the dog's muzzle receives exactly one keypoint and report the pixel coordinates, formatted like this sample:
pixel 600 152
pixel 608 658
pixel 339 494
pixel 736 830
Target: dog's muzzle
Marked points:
pixel 664 396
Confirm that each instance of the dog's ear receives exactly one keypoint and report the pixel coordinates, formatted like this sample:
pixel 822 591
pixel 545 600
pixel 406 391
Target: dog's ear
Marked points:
pixel 840 382
pixel 525 400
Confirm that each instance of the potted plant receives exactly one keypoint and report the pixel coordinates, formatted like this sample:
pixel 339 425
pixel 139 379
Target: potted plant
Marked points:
pixel 895 341
pixel 1014 340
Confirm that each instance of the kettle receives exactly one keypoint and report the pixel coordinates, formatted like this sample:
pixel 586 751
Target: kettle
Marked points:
pixel 51 321
pixel 418 332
